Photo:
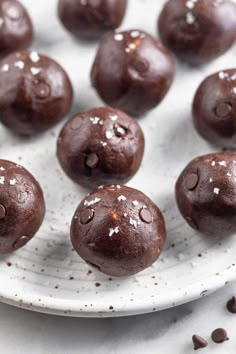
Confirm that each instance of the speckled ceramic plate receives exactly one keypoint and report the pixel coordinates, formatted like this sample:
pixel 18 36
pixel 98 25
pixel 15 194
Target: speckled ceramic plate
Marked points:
pixel 46 275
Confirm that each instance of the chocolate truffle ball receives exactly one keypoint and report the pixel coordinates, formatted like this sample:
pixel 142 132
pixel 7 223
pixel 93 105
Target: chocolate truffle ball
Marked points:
pixel 100 146
pixel 119 230
pixel 22 206
pixel 206 194
pixel 91 18
pixel 132 71
pixel 214 109
pixel 198 31
pixel 16 31
pixel 35 93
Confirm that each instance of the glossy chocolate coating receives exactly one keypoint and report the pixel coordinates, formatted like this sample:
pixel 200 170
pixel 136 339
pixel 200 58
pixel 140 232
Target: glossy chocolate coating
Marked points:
pixel 132 71
pixel 111 231
pixel 214 109
pixel 100 146
pixel 206 194
pixel 22 206
pixel 198 31
pixel 91 18
pixel 35 93
pixel 16 30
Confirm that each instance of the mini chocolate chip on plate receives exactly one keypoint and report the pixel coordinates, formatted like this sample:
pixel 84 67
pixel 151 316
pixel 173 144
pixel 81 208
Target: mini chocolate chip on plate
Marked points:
pixel 199 342
pixel 231 305
pixel 219 335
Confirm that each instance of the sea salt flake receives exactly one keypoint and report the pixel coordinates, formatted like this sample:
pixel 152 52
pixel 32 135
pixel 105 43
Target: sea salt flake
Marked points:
pixel 103 143
pixel 34 57
pixel 92 202
pixel 118 186
pixel 5 68
pixel 234 90
pixel 19 64
pixel 113 117
pixel 94 120
pixel 211 180
pixel 133 222
pixel 109 134
pixel 2 179
pixel 135 203
pixel 116 230
pixel 222 163
pixel 223 75
pixel 190 19
pixel 213 163
pixel 189 4
pixel 12 182
pixel 35 71
pixel 118 37
pixel 135 34
pixel 121 198
pixel 2 168
pixel 125 215
pixel 216 190
pixel 229 174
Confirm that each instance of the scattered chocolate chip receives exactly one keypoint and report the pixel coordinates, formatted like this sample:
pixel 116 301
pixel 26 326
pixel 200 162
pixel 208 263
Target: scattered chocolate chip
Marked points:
pixel 86 216
pixel 223 110
pixel 191 181
pixel 2 212
pixel 92 160
pixel 21 242
pixel 199 342
pixel 219 335
pixel 9 264
pixel 145 215
pixel 97 284
pixel 231 305
pixel 111 308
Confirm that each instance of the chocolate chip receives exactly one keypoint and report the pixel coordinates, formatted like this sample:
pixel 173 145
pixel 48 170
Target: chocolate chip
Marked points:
pixel 231 305
pixel 21 242
pixel 92 160
pixel 199 342
pixel 86 216
pixel 145 215
pixel 191 222
pixel 140 65
pixel 219 335
pixel 223 109
pixel 119 130
pixel 191 181
pixel 2 212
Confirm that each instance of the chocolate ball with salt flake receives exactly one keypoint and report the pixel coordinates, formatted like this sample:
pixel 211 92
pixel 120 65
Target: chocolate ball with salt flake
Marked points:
pixel 35 93
pixel 132 71
pixel 91 18
pixel 100 146
pixel 206 194
pixel 198 31
pixel 16 30
pixel 22 206
pixel 118 230
pixel 214 109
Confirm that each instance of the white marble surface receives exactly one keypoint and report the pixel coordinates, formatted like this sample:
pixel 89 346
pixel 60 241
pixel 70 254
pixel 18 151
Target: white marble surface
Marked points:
pixel 166 332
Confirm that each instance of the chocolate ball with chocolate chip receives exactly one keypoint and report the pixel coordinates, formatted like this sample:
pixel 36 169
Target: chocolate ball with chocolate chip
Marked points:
pixel 132 71
pixel 214 109
pixel 22 206
pixel 91 18
pixel 198 31
pixel 35 93
pixel 100 146
pixel 206 194
pixel 118 230
pixel 16 30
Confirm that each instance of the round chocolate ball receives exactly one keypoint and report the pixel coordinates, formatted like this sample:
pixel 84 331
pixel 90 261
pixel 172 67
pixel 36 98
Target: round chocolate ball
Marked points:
pixel 119 230
pixel 100 146
pixel 198 31
pixel 132 71
pixel 35 93
pixel 214 109
pixel 16 30
pixel 206 194
pixel 22 206
pixel 91 18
